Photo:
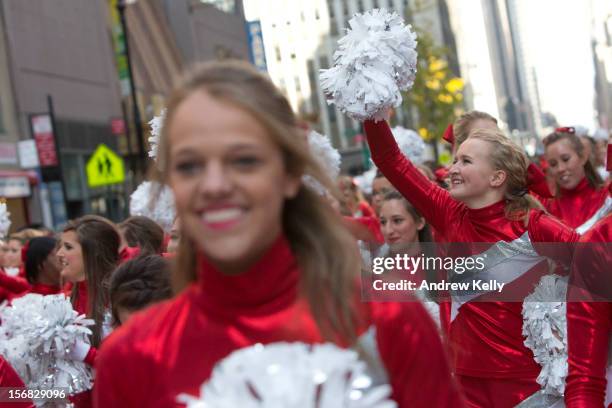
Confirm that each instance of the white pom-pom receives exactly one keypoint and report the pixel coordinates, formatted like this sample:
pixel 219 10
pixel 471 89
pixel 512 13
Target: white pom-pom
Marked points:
pixel 410 144
pixel 5 220
pixel 328 158
pixel 154 201
pixel 545 331
pixel 375 60
pixel 291 375
pixel 36 337
pixel 156 126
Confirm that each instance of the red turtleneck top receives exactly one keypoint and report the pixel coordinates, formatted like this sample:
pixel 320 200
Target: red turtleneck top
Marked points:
pixel 485 338
pixel 172 347
pixel 576 206
pixel 589 324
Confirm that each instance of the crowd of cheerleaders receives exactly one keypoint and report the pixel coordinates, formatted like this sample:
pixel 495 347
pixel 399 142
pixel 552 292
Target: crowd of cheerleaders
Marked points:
pixel 172 347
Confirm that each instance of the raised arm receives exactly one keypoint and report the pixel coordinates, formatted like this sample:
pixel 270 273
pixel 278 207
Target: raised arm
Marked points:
pixel 432 201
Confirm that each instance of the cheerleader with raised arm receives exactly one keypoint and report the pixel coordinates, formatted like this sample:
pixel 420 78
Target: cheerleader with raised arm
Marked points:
pixel 262 258
pixel 487 202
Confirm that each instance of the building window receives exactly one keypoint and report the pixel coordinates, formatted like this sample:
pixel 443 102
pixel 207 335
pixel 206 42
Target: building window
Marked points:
pixel 376 4
pixel 227 6
pixel 278 53
pixel 360 6
pixel 293 55
pixel 330 8
pixel 317 16
pixel 345 8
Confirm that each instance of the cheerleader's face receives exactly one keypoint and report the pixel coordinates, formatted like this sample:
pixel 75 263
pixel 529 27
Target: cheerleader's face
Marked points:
pixel 12 259
pixel 70 256
pixel 472 176
pixel 380 187
pixel 229 181
pixel 564 164
pixel 397 224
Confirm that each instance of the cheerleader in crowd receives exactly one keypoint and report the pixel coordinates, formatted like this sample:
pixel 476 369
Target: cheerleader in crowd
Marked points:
pixel 262 258
pixel 403 228
pixel 380 187
pixel 12 258
pixel 143 233
pixel 88 254
pixel 42 268
pixel 17 283
pixel 487 202
pixel 353 203
pixel 137 284
pixel 459 131
pixel 581 199
pixel 589 323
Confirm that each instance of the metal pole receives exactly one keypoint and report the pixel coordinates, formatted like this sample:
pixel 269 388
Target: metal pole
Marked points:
pixel 57 151
pixel 137 121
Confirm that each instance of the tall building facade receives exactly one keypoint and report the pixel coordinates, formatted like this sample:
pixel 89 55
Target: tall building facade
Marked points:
pixel 61 50
pixel 206 30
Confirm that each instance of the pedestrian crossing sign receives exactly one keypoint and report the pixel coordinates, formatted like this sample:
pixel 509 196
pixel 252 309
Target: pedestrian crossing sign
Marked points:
pixel 104 167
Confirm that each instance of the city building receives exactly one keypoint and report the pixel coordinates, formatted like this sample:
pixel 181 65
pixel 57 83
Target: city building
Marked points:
pixel 60 51
pixel 300 39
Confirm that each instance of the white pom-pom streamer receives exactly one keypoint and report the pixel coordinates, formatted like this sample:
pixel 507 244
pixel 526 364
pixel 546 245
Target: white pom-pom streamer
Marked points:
pixel 156 126
pixel 328 158
pixel 36 337
pixel 545 331
pixel 375 60
pixel 410 144
pixel 290 375
pixel 154 201
pixel 5 220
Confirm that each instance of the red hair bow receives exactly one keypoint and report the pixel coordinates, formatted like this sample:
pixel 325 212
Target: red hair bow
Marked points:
pixel 449 135
pixel 566 129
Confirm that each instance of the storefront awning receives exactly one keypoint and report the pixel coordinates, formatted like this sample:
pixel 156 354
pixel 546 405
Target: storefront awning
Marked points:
pixel 29 174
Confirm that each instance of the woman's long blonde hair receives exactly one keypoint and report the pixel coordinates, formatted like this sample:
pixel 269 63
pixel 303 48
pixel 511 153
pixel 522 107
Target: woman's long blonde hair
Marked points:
pixel 509 157
pixel 325 250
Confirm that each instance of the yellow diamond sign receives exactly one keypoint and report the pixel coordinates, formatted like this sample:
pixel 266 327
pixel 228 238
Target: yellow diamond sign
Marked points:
pixel 104 167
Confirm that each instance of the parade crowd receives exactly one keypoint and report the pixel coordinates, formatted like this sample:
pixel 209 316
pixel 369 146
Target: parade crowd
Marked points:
pixel 269 250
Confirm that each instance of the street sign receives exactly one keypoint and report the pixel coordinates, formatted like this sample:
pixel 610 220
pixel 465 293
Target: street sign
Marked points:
pixel 104 167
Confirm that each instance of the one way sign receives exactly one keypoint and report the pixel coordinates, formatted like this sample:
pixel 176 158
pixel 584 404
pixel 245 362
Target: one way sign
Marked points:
pixel 104 167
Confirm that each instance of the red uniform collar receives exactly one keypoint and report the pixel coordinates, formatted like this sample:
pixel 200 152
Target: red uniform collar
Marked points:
pixel 269 284
pixel 489 212
pixel 581 188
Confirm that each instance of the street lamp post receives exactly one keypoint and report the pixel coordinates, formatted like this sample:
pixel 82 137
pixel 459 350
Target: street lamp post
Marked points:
pixel 121 5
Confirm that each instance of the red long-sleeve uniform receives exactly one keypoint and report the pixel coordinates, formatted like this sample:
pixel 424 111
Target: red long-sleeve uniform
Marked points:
pixel 487 351
pixel 172 347
pixel 576 206
pixel 589 324
pixel 10 379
